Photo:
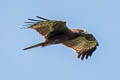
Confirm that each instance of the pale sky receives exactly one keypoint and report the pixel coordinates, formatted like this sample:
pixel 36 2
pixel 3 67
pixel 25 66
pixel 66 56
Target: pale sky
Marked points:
pixel 99 17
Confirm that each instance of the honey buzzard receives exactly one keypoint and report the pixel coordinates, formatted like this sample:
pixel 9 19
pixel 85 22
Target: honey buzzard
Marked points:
pixel 56 32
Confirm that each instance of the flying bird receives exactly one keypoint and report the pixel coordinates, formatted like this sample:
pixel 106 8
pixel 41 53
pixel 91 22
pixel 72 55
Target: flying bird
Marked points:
pixel 56 32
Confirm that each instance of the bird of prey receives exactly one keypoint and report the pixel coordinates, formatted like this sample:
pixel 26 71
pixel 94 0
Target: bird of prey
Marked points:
pixel 56 32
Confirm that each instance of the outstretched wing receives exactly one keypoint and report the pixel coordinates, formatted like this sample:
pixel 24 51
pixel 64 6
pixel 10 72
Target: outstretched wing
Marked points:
pixel 48 28
pixel 83 45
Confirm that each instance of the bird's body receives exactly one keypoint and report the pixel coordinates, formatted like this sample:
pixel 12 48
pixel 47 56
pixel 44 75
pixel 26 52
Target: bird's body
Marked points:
pixel 56 32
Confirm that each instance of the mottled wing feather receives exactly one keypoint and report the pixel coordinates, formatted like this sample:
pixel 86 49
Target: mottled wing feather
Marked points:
pixel 49 28
pixel 44 27
pixel 82 46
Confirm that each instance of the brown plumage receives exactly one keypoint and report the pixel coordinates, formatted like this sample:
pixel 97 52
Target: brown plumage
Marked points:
pixel 56 32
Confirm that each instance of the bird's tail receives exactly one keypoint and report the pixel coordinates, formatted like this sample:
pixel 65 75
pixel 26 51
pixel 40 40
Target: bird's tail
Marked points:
pixel 43 44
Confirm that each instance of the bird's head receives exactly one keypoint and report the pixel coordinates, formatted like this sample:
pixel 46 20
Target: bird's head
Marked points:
pixel 80 31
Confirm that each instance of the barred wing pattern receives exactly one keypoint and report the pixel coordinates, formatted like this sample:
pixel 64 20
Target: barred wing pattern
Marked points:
pixel 82 46
pixel 45 27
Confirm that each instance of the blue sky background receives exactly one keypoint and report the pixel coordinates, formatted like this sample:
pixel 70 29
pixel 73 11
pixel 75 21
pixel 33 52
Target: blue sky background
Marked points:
pixel 100 17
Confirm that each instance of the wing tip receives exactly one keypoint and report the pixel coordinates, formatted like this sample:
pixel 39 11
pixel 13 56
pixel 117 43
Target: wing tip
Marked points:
pixel 42 18
pixel 87 54
pixel 33 22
